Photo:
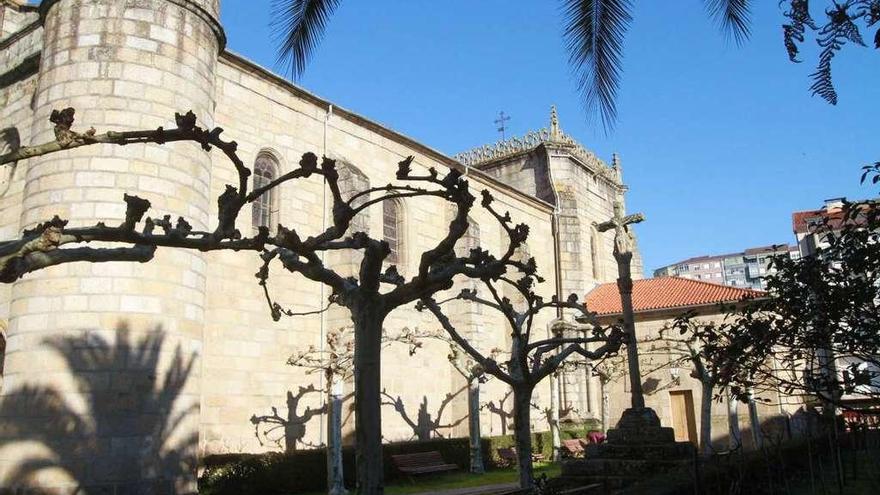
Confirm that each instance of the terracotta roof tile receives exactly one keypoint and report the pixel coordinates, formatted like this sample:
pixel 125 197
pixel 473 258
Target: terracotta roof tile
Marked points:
pixel 666 293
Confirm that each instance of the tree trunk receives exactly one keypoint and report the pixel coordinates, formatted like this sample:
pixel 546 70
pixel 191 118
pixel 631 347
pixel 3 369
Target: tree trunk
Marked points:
pixel 554 416
pixel 474 427
pixel 734 437
pixel 755 422
pixel 367 399
pixel 706 419
pixel 522 425
pixel 335 477
pixel 606 402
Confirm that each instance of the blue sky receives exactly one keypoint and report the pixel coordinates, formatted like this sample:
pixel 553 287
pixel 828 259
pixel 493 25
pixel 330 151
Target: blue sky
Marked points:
pixel 719 143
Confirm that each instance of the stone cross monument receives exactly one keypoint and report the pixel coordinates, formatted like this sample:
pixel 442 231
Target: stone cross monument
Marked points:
pixel 623 246
pixel 639 446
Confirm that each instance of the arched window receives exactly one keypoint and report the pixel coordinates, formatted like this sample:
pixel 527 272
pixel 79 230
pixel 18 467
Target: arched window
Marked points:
pixel 470 239
pixel 265 207
pixel 353 181
pixel 392 230
pixel 2 348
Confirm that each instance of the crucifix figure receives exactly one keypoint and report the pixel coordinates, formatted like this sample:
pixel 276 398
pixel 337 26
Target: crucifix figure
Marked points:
pixel 623 246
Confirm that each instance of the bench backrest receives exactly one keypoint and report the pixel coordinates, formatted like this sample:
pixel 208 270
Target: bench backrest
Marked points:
pixel 573 445
pixel 418 459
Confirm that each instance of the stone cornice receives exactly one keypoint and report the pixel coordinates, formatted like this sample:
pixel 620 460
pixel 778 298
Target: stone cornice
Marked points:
pixel 21 33
pixel 489 155
pixel 21 7
pixel 189 5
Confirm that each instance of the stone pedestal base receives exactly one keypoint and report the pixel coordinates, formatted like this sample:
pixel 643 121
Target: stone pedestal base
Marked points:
pixel 637 448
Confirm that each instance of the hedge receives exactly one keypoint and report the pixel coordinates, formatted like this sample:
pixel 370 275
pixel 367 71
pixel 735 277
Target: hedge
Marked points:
pixel 278 473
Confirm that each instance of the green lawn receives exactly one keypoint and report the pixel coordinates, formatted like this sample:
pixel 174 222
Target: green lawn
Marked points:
pixel 461 479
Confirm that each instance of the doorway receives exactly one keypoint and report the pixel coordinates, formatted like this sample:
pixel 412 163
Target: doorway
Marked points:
pixel 683 420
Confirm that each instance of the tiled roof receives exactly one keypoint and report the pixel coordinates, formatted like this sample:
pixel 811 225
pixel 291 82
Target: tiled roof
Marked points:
pixel 803 222
pixel 666 293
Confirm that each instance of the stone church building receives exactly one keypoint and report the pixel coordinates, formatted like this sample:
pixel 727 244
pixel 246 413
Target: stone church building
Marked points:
pixel 121 376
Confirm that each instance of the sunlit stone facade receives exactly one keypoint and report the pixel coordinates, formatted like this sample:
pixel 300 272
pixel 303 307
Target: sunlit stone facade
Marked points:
pixel 122 376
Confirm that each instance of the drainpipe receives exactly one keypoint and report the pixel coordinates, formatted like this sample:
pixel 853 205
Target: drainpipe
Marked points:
pixel 554 223
pixel 323 314
pixel 557 270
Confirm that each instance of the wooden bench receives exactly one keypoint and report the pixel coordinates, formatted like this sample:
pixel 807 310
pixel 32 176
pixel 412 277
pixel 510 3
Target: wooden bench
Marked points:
pixel 573 447
pixel 508 456
pixel 421 463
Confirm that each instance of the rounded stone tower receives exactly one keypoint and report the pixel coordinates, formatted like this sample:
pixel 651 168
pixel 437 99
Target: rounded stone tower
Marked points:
pixel 102 378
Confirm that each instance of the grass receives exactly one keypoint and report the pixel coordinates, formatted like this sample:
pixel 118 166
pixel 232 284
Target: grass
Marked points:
pixel 461 479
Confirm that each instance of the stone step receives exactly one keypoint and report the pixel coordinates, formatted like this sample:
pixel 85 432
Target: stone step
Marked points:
pixel 619 467
pixel 641 434
pixel 605 483
pixel 674 450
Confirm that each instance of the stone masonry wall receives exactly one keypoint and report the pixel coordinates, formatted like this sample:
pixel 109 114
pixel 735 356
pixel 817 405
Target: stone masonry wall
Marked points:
pixel 662 383
pixel 117 345
pixel 13 17
pixel 245 371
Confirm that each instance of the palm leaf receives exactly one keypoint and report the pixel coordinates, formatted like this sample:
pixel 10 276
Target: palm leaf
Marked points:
pixel 734 17
pixel 594 34
pixel 299 25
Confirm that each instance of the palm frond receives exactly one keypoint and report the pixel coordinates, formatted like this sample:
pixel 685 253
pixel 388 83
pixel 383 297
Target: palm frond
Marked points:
pixel 831 39
pixel 793 32
pixel 734 17
pixel 871 13
pixel 298 26
pixel 594 34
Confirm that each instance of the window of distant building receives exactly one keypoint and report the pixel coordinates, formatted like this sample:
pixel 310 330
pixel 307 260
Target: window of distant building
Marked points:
pixel 392 229
pixel 265 207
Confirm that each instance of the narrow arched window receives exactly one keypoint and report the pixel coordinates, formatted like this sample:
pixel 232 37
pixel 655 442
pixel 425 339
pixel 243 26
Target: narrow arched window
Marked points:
pixel 265 207
pixel 392 229
pixel 2 354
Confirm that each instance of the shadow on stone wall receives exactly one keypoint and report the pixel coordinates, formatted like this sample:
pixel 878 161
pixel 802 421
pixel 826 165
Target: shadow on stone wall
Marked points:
pixel 500 410
pixel 128 437
pixel 289 431
pixel 10 140
pixel 773 431
pixel 425 427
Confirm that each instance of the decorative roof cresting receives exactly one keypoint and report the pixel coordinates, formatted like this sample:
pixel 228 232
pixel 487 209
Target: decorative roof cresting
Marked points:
pixel 533 139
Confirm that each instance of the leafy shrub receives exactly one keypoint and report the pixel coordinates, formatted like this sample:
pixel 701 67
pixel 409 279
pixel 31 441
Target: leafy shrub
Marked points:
pixel 277 473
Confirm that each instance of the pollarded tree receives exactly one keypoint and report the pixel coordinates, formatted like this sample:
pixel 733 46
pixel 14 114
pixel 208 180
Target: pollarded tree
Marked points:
pixel 684 342
pixel 529 360
pixel 334 363
pixel 370 296
pixel 473 374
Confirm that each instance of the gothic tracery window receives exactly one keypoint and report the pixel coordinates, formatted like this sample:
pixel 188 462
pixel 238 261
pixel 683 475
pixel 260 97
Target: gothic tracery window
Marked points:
pixel 392 229
pixel 265 207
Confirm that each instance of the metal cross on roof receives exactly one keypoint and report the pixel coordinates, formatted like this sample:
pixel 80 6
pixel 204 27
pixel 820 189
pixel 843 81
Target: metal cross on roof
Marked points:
pixel 500 122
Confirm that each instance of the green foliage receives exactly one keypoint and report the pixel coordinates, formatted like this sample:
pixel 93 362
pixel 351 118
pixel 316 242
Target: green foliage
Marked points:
pixel 818 334
pixel 305 471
